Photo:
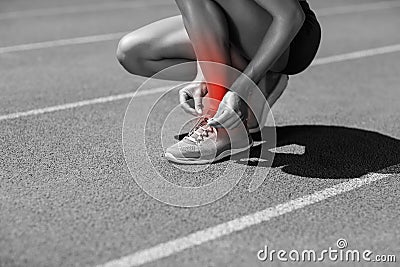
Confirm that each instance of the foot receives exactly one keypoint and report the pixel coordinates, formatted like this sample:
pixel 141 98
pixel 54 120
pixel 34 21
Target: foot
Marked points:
pixel 258 105
pixel 205 144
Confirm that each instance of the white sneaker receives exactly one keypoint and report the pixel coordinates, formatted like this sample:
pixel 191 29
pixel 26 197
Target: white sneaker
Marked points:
pixel 205 144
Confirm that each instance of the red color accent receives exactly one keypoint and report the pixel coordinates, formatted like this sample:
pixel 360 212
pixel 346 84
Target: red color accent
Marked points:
pixel 216 92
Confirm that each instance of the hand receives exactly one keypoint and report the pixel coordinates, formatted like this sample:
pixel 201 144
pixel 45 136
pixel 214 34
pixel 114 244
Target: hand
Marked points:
pixel 231 112
pixel 190 98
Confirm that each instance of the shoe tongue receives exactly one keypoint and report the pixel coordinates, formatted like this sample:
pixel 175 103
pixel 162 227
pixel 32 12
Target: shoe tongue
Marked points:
pixel 197 130
pixel 201 122
pixel 204 119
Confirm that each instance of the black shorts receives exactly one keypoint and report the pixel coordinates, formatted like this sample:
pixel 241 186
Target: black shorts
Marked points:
pixel 305 45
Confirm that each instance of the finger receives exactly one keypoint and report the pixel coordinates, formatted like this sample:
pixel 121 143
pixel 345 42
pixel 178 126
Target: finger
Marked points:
pixel 232 122
pixel 186 107
pixel 212 121
pixel 198 103
pixel 185 104
pixel 183 96
pixel 220 120
pixel 203 87
pixel 189 109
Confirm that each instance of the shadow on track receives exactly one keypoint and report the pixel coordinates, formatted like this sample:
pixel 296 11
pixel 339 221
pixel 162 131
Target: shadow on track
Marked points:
pixel 329 152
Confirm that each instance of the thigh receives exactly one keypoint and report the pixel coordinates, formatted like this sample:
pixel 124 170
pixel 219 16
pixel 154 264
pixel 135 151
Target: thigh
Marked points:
pixel 305 45
pixel 247 32
pixel 164 39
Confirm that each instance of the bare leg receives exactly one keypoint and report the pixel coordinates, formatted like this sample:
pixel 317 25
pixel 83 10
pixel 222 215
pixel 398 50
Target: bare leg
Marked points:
pixel 271 87
pixel 157 46
pixel 208 31
pixel 166 43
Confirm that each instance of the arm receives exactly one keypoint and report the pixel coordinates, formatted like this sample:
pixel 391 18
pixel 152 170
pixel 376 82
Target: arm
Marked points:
pixel 287 19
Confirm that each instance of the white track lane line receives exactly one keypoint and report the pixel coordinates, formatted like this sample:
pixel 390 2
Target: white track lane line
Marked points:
pixel 360 8
pixel 316 62
pixel 172 247
pixel 62 42
pixel 76 9
pixel 118 35
pixel 83 103
pixel 357 54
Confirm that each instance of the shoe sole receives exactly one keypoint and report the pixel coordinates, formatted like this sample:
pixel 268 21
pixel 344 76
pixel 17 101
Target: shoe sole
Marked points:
pixel 224 154
pixel 274 94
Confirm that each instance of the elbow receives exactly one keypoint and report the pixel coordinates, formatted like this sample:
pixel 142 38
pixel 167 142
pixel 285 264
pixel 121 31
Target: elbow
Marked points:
pixel 299 17
pixel 186 7
pixel 293 19
pixel 296 18
pixel 179 2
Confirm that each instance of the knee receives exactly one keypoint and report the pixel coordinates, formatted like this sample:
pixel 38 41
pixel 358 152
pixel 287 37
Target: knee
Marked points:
pixel 131 53
pixel 123 48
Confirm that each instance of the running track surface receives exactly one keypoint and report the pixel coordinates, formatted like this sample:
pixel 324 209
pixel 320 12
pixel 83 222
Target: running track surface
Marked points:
pixel 66 195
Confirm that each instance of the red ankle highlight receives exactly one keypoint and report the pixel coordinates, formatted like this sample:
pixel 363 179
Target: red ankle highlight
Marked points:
pixel 211 49
pixel 216 92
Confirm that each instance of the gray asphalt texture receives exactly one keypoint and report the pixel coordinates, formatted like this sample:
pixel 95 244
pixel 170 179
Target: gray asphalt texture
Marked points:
pixel 67 197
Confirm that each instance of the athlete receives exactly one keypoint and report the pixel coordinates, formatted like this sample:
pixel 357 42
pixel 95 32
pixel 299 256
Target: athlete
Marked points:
pixel 267 40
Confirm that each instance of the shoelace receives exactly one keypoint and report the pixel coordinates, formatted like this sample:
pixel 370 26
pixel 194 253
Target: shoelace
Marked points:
pixel 200 131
